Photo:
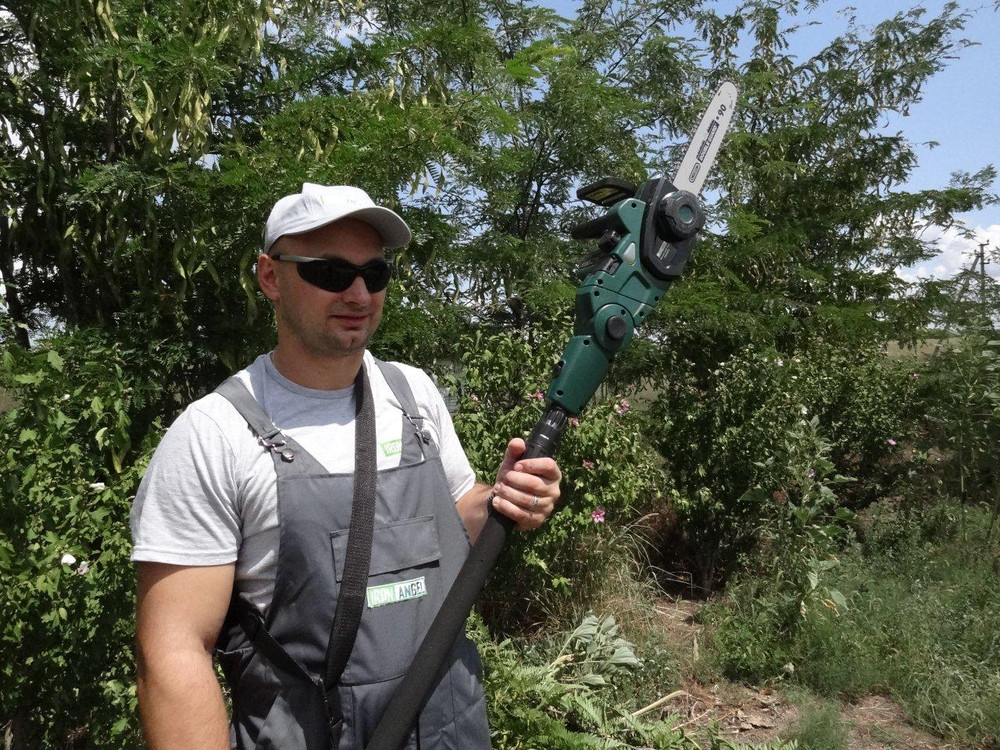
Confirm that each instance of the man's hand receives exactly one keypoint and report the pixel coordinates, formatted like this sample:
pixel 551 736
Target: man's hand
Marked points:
pixel 527 490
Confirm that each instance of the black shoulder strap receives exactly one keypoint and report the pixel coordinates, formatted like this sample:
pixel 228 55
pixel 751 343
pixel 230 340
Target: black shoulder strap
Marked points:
pixel 351 597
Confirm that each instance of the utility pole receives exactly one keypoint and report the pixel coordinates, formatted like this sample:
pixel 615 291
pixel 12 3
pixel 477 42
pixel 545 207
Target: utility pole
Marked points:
pixel 981 257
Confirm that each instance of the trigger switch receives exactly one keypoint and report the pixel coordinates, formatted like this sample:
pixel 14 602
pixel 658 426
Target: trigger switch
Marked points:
pixel 608 241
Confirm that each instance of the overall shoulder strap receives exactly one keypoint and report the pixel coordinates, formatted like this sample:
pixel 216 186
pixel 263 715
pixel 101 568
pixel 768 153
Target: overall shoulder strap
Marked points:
pixel 400 387
pixel 283 449
pixel 415 449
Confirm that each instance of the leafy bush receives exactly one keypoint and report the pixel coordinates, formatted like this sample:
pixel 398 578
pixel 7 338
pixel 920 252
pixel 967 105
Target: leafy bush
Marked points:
pixel 720 433
pixel 609 474
pixel 77 443
pixel 961 388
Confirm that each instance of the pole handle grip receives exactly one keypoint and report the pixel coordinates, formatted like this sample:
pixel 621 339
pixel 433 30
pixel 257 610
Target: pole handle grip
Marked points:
pixel 425 671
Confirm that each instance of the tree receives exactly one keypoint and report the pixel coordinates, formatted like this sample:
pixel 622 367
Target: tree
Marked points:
pixel 816 222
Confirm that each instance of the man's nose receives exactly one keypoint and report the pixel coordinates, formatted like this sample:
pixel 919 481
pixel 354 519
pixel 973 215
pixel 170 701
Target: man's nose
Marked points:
pixel 357 292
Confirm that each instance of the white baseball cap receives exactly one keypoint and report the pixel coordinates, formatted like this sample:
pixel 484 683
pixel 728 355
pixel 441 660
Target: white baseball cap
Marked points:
pixel 319 205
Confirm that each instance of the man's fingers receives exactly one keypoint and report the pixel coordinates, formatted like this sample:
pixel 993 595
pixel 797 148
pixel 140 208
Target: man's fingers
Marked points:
pixel 526 489
pixel 525 519
pixel 515 448
pixel 526 483
pixel 540 467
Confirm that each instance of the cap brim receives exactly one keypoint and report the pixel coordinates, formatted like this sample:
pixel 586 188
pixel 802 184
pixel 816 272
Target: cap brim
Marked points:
pixel 389 225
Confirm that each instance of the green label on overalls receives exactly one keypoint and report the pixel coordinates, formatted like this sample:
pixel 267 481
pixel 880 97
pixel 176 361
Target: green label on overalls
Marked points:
pixel 390 593
pixel 392 447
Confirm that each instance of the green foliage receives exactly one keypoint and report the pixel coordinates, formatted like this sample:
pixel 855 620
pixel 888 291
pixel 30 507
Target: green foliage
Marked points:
pixel 548 698
pixel 820 726
pixel 739 439
pixel 609 473
pixel 86 420
pixel 961 386
pixel 921 625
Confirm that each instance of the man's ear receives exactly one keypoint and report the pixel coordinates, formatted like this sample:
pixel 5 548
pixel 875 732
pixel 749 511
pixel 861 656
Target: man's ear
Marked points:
pixel 267 276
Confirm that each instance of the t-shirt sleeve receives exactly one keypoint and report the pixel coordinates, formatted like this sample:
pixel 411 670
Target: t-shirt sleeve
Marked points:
pixel 457 469
pixel 186 512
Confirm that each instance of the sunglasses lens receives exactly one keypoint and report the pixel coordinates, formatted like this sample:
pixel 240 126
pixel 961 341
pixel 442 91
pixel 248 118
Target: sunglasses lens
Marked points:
pixel 376 275
pixel 336 275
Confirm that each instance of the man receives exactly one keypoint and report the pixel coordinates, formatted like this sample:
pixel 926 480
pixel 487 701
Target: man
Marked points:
pixel 249 498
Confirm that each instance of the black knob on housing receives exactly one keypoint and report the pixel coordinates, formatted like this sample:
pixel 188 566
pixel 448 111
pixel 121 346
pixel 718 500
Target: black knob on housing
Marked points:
pixel 679 216
pixel 616 328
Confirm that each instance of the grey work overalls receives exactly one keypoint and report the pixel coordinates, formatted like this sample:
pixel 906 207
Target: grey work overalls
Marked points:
pixel 274 667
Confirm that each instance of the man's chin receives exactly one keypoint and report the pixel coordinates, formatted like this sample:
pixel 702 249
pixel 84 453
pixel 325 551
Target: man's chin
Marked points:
pixel 343 345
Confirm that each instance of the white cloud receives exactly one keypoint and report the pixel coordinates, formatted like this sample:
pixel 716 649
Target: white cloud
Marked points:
pixel 955 252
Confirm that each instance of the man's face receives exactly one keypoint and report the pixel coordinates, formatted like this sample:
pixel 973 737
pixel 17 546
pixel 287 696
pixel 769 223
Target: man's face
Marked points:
pixel 325 324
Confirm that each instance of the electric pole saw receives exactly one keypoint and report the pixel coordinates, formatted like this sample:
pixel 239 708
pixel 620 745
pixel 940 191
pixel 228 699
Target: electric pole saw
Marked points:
pixel 645 239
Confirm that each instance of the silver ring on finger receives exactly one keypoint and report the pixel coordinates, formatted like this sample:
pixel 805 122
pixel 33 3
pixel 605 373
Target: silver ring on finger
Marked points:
pixel 534 503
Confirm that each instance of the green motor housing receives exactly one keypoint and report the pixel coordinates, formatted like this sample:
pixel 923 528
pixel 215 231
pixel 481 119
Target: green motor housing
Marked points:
pixel 622 288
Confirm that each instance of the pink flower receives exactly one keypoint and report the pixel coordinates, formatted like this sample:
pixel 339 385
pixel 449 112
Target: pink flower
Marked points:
pixel 891 441
pixel 539 396
pixel 622 406
pixel 574 421
pixel 811 474
pixel 588 464
pixel 597 515
pixel 474 398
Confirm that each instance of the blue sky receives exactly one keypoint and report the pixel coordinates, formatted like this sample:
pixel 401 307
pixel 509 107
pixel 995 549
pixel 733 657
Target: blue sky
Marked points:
pixel 960 109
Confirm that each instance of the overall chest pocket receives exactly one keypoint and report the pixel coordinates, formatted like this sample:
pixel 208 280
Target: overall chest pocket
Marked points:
pixel 404 592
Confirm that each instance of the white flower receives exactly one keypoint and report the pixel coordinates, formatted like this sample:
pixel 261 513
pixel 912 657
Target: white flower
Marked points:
pixel 805 410
pixel 97 486
pixel 67 559
pixel 779 362
pixel 65 397
pixel 789 668
pixel 82 568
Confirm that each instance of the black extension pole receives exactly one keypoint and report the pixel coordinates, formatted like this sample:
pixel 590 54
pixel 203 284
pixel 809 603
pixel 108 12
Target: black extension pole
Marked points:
pixel 425 671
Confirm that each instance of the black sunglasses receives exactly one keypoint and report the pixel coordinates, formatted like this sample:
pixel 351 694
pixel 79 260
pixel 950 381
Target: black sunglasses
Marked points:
pixel 337 275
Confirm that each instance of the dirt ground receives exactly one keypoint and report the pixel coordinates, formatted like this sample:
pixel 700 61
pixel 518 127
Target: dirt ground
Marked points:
pixel 747 715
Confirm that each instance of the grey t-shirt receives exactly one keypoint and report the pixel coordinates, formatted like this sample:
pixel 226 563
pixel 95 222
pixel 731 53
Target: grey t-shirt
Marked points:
pixel 209 495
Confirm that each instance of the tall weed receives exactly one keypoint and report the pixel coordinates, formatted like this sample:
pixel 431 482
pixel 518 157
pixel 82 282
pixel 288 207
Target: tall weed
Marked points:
pixel 922 624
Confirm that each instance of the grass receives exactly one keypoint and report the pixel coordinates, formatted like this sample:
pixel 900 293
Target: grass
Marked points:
pixel 922 625
pixel 819 726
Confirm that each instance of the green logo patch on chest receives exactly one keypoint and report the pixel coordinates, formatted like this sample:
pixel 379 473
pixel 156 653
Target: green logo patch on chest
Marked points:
pixel 392 447
pixel 391 593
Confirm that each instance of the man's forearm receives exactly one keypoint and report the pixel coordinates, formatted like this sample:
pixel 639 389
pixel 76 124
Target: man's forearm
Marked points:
pixel 473 509
pixel 181 703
